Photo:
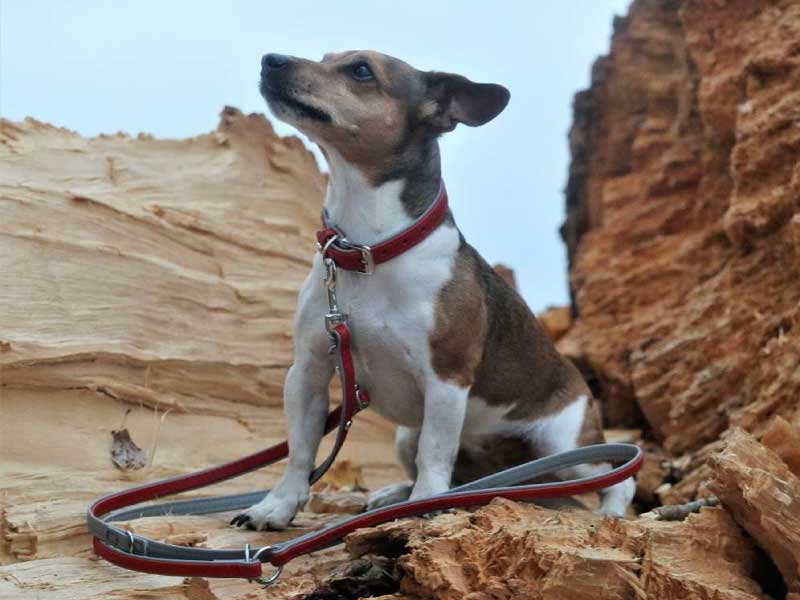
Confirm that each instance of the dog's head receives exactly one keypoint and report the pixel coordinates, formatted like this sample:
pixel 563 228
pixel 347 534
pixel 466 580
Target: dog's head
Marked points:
pixel 372 108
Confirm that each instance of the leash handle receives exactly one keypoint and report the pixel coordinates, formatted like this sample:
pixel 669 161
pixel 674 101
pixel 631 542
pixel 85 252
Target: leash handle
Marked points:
pixel 120 546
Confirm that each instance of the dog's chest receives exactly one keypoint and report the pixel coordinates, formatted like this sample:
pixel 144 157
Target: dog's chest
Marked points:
pixel 391 314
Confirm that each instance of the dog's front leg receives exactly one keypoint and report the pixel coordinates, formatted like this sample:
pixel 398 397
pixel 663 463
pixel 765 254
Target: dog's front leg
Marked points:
pixel 445 407
pixel 306 407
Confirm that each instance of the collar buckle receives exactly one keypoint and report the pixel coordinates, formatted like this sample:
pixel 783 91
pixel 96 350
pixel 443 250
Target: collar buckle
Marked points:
pixel 367 258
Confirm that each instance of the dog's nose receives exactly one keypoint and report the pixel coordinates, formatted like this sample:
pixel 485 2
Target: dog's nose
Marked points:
pixel 273 61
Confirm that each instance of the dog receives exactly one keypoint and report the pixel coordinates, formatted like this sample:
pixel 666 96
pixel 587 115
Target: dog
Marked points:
pixel 449 351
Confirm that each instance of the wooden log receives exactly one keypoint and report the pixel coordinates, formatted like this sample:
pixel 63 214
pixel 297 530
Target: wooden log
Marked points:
pixel 509 550
pixel 763 495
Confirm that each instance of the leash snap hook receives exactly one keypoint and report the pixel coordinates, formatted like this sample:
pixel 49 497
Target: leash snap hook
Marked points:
pixel 334 317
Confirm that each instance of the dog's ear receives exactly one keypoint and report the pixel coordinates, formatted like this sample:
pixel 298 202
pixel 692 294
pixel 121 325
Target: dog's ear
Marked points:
pixel 453 99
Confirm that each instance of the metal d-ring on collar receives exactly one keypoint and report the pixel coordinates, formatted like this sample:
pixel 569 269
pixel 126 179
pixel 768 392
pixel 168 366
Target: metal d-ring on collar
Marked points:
pixel 367 258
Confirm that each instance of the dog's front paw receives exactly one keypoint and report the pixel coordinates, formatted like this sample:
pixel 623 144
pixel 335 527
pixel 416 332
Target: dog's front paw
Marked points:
pixel 391 494
pixel 273 512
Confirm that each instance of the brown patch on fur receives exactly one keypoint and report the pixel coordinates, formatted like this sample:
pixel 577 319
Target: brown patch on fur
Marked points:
pixel 458 338
pixel 487 337
pixel 592 427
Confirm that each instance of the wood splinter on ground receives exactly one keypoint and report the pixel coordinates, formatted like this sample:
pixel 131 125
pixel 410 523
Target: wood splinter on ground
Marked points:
pixel 678 512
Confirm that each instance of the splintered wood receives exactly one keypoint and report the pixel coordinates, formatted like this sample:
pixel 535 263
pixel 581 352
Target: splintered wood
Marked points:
pixel 160 277
pixel 508 550
pixel 763 495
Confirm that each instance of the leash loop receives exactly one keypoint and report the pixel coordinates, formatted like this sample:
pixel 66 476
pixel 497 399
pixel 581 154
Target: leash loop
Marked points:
pixel 367 256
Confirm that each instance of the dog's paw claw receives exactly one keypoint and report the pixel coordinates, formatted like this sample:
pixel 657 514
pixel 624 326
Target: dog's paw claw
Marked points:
pixel 271 514
pixel 240 520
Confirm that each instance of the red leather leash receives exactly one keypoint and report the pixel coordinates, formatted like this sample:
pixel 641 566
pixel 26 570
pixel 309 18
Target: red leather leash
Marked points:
pixel 130 551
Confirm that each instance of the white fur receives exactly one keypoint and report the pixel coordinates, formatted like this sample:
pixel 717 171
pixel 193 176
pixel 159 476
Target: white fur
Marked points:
pixel 391 314
pixel 559 433
pixel 366 214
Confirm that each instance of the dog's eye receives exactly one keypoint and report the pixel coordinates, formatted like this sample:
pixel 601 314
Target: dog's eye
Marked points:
pixel 362 72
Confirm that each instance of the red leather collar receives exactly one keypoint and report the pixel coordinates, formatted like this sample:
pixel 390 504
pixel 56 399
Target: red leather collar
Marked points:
pixel 363 259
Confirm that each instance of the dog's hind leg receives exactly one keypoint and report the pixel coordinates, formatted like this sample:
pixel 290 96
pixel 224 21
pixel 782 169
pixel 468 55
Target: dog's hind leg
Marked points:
pixel 406 440
pixel 579 424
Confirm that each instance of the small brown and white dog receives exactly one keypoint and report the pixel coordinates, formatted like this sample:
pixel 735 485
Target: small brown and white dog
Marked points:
pixel 448 350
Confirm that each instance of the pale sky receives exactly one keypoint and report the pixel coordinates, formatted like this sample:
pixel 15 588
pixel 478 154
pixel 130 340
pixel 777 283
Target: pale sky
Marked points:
pixel 167 67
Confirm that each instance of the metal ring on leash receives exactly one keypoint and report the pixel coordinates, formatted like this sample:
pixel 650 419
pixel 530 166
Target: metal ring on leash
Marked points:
pixel 324 249
pixel 260 551
pixel 268 581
